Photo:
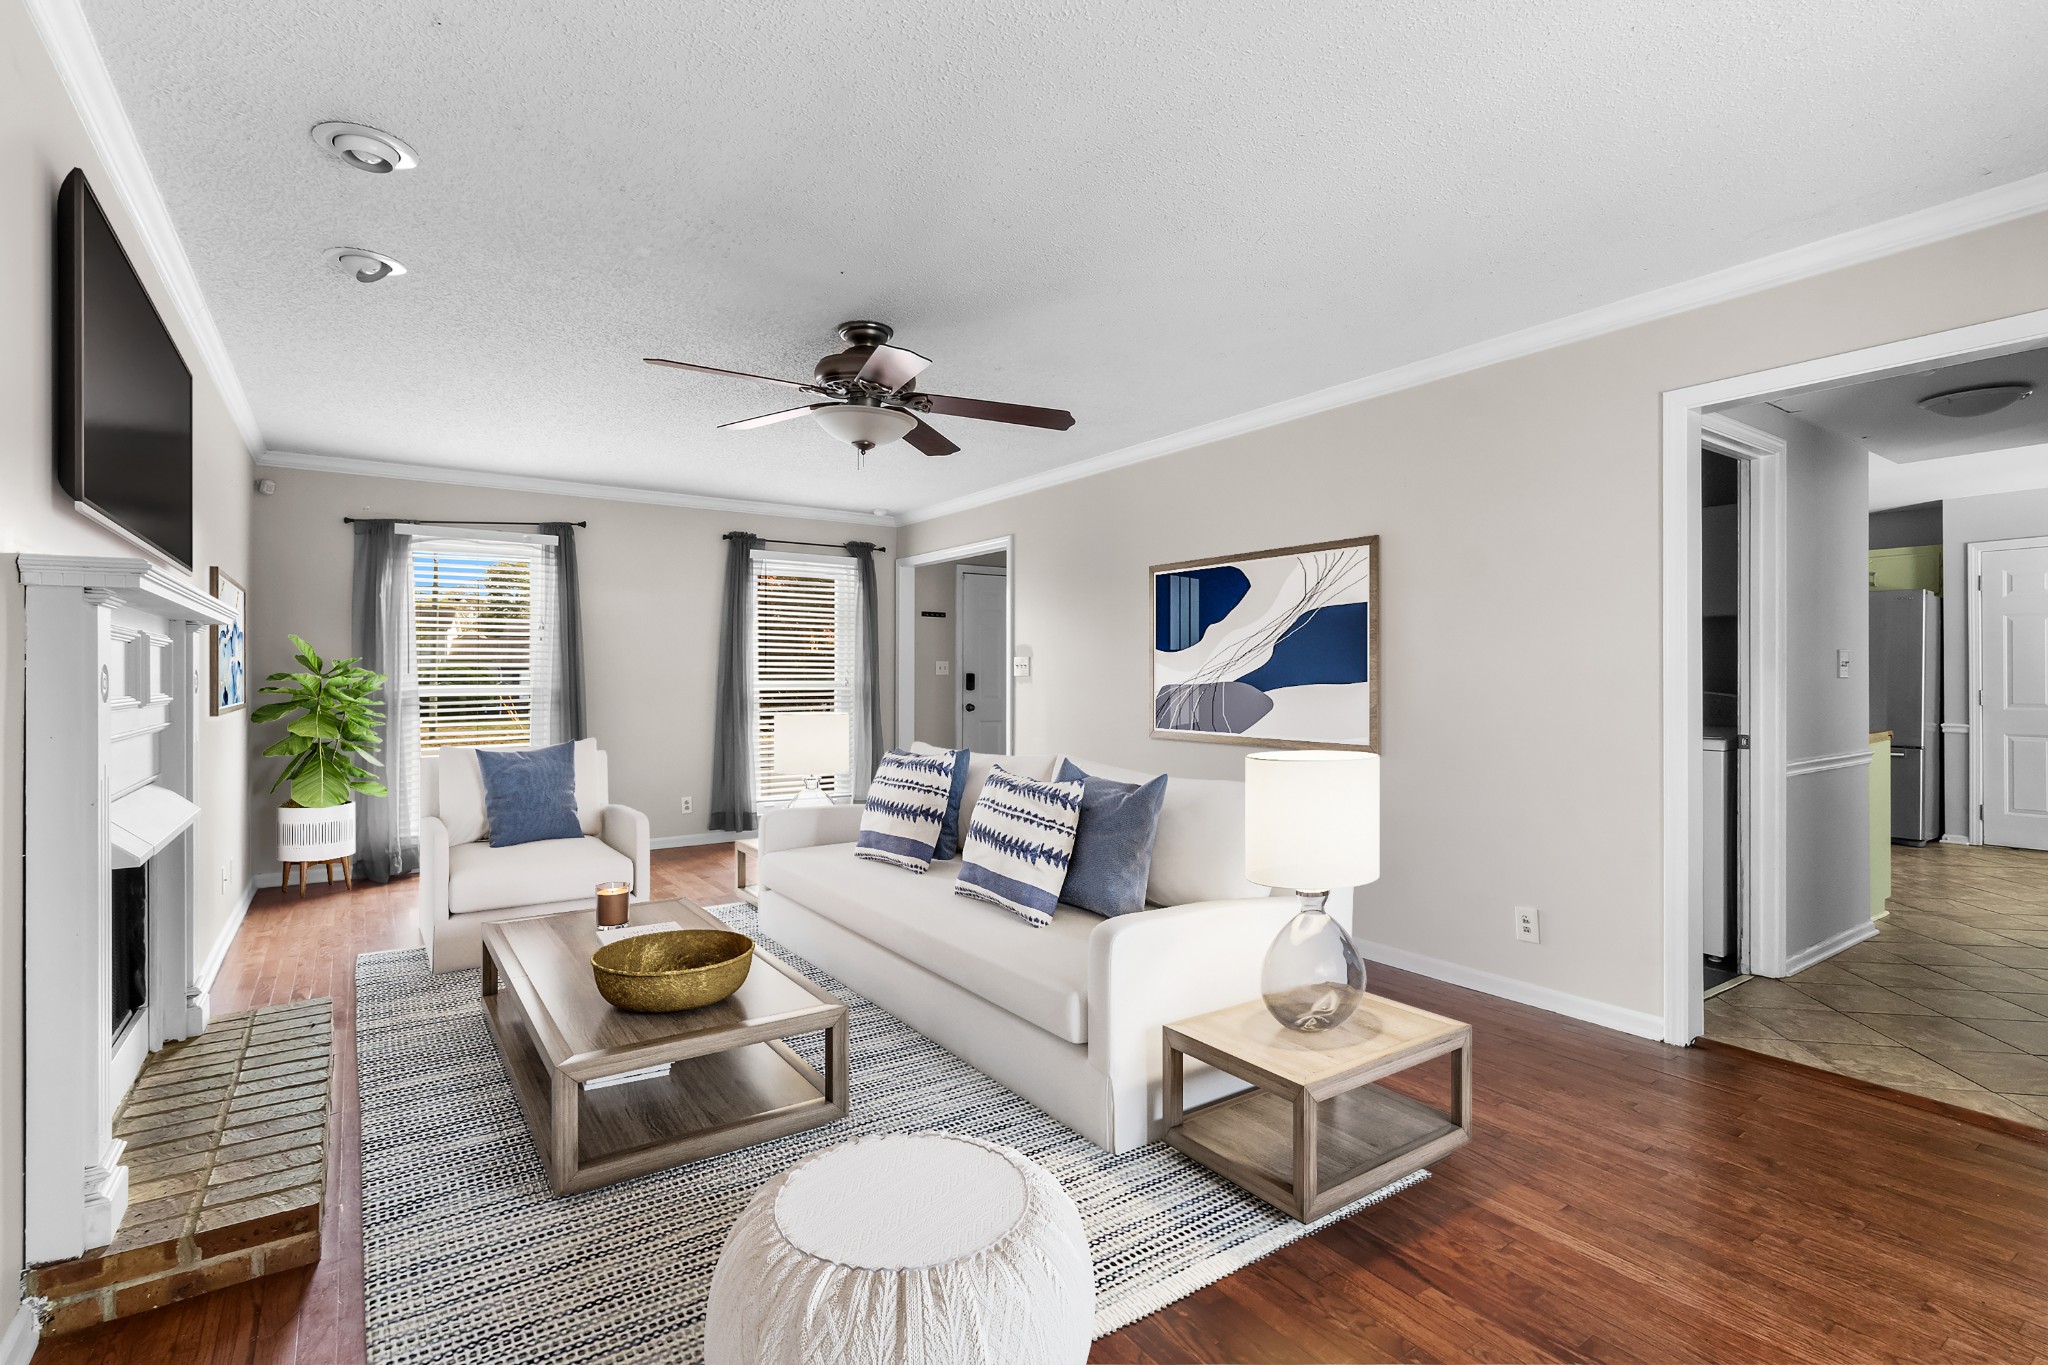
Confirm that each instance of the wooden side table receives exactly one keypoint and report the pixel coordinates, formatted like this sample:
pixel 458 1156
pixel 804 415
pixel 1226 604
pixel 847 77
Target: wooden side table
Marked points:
pixel 746 864
pixel 1314 1133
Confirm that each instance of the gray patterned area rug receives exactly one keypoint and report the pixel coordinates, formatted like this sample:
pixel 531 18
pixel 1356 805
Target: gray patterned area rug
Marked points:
pixel 468 1257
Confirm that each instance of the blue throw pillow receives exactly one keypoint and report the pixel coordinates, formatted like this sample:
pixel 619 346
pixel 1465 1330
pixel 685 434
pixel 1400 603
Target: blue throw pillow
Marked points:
pixel 948 846
pixel 1112 858
pixel 530 794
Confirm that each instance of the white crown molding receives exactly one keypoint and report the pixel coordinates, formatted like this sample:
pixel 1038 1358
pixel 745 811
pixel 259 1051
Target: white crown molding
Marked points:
pixel 1968 214
pixel 68 39
pixel 568 488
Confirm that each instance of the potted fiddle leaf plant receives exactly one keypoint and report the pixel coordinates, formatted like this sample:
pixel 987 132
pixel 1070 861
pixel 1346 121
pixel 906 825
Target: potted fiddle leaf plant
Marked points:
pixel 331 724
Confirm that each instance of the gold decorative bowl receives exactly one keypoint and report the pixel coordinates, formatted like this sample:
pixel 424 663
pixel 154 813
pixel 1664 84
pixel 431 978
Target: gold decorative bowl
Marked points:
pixel 678 969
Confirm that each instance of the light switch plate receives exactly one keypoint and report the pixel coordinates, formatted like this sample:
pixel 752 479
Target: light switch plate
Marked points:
pixel 1020 666
pixel 945 667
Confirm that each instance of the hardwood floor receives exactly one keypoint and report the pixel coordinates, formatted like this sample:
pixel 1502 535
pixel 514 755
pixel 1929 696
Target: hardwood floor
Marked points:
pixel 1620 1201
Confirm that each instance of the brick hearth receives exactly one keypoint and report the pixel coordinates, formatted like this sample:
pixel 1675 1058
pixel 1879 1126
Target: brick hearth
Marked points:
pixel 227 1168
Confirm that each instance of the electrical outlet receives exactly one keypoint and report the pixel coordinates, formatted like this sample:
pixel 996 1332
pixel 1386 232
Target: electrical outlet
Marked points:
pixel 945 667
pixel 688 806
pixel 224 881
pixel 1841 663
pixel 1527 927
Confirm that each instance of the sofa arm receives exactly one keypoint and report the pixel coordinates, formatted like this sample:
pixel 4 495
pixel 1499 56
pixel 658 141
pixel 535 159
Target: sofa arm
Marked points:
pixel 625 830
pixel 433 893
pixel 1149 969
pixel 807 827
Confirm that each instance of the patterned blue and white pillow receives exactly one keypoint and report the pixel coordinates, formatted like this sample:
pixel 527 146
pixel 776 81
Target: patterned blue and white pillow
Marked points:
pixel 1018 842
pixel 906 806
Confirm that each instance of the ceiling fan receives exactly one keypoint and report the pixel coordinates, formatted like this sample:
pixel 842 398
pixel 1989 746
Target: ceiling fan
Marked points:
pixel 870 397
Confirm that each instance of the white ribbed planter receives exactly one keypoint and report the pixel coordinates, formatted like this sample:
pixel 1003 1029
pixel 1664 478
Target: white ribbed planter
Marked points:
pixel 316 835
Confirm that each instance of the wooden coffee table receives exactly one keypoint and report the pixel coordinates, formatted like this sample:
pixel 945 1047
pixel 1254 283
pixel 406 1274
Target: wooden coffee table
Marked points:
pixel 1313 1133
pixel 731 1080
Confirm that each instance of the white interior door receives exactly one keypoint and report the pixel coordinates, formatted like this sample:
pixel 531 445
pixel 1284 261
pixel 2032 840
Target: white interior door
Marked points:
pixel 981 687
pixel 2014 710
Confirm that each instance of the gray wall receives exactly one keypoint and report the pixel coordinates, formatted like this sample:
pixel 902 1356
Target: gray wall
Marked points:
pixel 1827 717
pixel 650 579
pixel 1521 630
pixel 1995 516
pixel 1900 527
pixel 41 139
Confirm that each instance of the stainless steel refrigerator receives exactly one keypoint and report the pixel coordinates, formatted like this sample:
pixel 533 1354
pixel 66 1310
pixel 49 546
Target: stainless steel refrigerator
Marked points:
pixel 1905 698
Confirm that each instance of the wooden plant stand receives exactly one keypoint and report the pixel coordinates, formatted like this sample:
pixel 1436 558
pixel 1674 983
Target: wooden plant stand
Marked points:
pixel 347 873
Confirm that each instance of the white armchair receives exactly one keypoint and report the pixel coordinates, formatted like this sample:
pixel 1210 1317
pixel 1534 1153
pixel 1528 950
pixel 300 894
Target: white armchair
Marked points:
pixel 465 883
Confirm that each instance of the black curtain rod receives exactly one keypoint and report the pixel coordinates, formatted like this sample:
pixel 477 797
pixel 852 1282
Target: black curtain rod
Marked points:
pixel 460 521
pixel 816 544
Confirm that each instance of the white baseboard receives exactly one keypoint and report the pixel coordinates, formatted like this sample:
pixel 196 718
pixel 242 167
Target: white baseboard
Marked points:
pixel 18 1343
pixel 1828 947
pixel 1962 839
pixel 711 836
pixel 1641 1023
pixel 218 954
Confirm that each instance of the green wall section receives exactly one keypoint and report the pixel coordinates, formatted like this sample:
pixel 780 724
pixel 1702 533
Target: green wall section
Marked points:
pixel 1915 566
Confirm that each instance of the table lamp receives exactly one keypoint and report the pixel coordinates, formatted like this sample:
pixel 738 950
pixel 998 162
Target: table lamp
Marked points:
pixel 1312 824
pixel 812 745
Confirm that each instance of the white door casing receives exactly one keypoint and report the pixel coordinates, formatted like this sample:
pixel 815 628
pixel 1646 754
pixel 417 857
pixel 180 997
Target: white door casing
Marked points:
pixel 907 680
pixel 982 649
pixel 2009 692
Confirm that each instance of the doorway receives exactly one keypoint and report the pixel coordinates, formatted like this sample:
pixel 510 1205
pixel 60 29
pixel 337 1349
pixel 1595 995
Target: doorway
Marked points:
pixel 1688 415
pixel 955 645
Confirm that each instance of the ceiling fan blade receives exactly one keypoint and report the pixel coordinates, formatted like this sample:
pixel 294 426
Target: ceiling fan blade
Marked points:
pixel 1018 414
pixel 769 419
pixel 891 367
pixel 733 374
pixel 926 440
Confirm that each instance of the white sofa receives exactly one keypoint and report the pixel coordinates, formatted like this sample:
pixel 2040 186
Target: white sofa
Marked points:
pixel 465 884
pixel 1067 1015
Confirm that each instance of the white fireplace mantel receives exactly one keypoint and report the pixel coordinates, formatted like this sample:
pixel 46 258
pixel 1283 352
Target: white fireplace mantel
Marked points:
pixel 115 660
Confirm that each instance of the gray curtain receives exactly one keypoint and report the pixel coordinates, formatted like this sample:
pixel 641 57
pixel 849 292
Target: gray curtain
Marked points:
pixel 867 682
pixel 570 721
pixel 732 764
pixel 387 828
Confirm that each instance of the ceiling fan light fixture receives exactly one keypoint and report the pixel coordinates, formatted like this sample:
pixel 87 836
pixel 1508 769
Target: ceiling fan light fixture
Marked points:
pixel 863 425
pixel 1981 401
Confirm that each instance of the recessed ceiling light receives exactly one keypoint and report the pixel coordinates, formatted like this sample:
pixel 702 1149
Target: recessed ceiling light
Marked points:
pixel 367 267
pixel 1980 401
pixel 364 148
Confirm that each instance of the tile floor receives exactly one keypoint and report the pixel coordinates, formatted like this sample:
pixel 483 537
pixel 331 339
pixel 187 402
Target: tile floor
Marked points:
pixel 1950 1000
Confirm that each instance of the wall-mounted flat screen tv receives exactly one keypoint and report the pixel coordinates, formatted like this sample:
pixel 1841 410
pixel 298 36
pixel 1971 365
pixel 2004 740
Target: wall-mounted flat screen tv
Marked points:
pixel 124 395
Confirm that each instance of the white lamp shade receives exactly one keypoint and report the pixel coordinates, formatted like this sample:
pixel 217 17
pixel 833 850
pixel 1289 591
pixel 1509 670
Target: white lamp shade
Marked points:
pixel 813 743
pixel 858 422
pixel 1312 819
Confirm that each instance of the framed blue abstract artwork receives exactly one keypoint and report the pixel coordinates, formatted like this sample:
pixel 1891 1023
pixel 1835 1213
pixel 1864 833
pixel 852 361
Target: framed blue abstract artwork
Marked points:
pixel 229 673
pixel 1279 649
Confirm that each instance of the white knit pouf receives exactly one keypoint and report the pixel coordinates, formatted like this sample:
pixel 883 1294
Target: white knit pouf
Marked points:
pixel 905 1249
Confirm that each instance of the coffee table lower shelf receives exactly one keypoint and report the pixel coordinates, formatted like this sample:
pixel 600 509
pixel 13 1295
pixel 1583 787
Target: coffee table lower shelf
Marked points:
pixel 713 1103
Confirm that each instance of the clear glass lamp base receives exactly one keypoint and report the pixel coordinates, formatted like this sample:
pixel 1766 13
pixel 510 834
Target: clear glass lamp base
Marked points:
pixel 1312 978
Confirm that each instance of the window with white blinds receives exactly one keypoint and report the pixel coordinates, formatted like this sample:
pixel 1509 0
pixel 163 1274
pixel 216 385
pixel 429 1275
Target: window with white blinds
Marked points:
pixel 805 625
pixel 483 640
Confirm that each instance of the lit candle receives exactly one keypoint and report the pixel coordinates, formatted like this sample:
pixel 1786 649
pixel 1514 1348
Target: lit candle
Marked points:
pixel 611 903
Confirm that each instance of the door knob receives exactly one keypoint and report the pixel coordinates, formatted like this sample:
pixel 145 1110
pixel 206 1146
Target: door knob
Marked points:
pixel 970 706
